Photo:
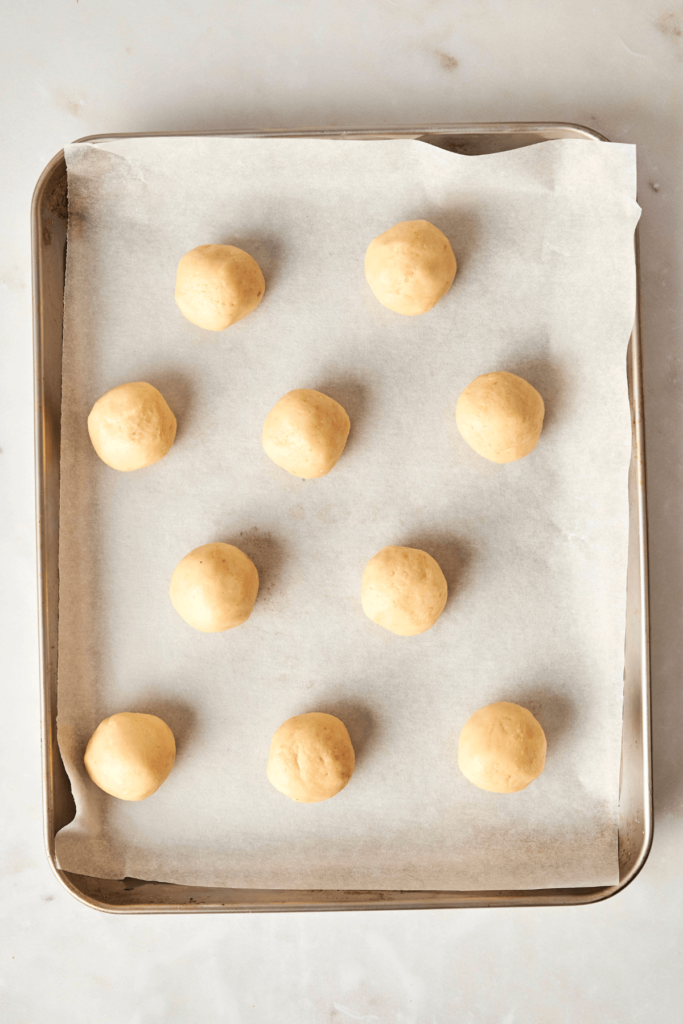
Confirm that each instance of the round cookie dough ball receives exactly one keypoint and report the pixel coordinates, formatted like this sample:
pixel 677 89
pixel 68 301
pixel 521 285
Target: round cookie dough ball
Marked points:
pixel 305 433
pixel 129 755
pixel 500 415
pixel 214 587
pixel 131 426
pixel 410 267
pixel 311 757
pixel 217 285
pixel 404 590
pixel 502 748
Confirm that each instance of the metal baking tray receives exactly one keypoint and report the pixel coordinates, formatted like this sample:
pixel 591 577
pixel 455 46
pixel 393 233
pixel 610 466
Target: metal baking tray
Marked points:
pixel 132 895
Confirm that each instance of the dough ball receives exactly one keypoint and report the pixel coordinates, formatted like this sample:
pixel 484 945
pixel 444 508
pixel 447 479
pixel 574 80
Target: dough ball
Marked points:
pixel 404 590
pixel 131 426
pixel 129 755
pixel 502 748
pixel 305 433
pixel 311 757
pixel 500 415
pixel 217 285
pixel 214 587
pixel 410 267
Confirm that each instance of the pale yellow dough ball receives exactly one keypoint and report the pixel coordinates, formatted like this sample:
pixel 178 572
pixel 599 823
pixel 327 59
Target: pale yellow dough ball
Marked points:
pixel 502 748
pixel 404 590
pixel 217 285
pixel 311 757
pixel 305 433
pixel 129 755
pixel 410 267
pixel 214 587
pixel 500 415
pixel 131 426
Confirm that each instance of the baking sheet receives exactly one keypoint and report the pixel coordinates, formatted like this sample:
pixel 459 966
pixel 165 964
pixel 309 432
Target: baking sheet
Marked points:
pixel 534 552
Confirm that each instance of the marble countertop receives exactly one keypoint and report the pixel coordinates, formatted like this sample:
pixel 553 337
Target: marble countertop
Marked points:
pixel 78 67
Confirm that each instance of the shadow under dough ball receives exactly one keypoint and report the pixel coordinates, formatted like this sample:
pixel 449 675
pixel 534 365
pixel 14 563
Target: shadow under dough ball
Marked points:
pixel 410 267
pixel 311 757
pixel 500 416
pixel 404 590
pixel 217 285
pixel 502 748
pixel 130 754
pixel 305 433
pixel 131 426
pixel 214 587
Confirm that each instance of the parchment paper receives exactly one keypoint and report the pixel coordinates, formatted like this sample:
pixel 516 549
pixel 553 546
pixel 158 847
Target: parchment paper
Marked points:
pixel 534 552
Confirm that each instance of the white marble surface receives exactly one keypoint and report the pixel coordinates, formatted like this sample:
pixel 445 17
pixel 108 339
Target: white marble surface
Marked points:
pixel 75 67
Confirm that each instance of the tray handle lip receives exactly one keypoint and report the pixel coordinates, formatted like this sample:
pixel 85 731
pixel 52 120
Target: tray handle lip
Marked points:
pixel 476 900
pixel 410 131
pixel 503 128
pixel 39 496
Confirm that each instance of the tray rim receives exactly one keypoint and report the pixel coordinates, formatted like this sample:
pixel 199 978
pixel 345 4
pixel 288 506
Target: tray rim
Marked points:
pixel 357 900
